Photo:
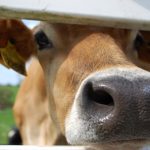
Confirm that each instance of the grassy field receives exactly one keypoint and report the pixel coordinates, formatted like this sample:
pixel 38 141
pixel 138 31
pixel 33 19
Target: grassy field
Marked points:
pixel 6 122
pixel 7 97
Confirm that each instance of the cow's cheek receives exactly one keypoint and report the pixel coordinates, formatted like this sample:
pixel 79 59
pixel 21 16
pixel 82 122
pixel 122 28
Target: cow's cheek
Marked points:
pixel 64 90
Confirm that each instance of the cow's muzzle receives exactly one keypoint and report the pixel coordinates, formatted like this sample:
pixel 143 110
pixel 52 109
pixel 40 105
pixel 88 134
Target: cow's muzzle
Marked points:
pixel 112 105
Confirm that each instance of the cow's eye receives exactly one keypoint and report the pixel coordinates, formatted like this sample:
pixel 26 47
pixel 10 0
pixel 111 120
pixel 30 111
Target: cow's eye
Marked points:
pixel 139 41
pixel 148 44
pixel 42 40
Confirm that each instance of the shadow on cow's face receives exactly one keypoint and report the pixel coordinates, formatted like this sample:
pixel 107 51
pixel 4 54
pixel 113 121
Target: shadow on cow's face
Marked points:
pixel 97 94
pixel 142 49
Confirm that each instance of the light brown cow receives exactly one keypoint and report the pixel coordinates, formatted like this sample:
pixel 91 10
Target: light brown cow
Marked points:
pixel 31 110
pixel 97 92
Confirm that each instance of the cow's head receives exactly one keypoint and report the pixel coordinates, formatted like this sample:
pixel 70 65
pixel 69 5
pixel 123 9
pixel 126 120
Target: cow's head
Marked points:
pixel 97 94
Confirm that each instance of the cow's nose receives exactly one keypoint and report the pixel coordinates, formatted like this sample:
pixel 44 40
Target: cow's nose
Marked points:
pixel 102 95
pixel 118 101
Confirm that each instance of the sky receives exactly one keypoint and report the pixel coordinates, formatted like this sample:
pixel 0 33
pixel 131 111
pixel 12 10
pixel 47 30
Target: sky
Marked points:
pixel 8 76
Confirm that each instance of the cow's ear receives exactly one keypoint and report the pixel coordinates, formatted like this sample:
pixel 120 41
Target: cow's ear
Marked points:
pixel 16 44
pixel 142 46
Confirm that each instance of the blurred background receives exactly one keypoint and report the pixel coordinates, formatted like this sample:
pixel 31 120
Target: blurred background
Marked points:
pixel 9 85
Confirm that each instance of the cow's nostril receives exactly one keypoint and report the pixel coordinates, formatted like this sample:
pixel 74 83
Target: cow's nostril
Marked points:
pixel 99 95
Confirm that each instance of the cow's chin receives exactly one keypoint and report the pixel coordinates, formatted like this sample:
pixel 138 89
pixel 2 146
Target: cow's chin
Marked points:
pixel 82 132
pixel 92 143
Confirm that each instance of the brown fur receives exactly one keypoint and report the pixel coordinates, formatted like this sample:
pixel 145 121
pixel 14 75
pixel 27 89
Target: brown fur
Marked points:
pixel 17 33
pixel 31 110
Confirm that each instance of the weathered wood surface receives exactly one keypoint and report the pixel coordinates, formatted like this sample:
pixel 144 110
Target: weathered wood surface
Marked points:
pixel 134 14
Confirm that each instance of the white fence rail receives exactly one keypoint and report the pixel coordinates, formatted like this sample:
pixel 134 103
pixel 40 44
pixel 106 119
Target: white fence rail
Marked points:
pixel 133 14
pixel 44 148
pixel 54 148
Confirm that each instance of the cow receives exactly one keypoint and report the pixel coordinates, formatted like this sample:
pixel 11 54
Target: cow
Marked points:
pixel 31 110
pixel 98 88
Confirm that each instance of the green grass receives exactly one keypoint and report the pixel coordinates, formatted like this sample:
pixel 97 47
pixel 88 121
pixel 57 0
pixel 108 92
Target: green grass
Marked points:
pixel 7 98
pixel 6 122
pixel 8 94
